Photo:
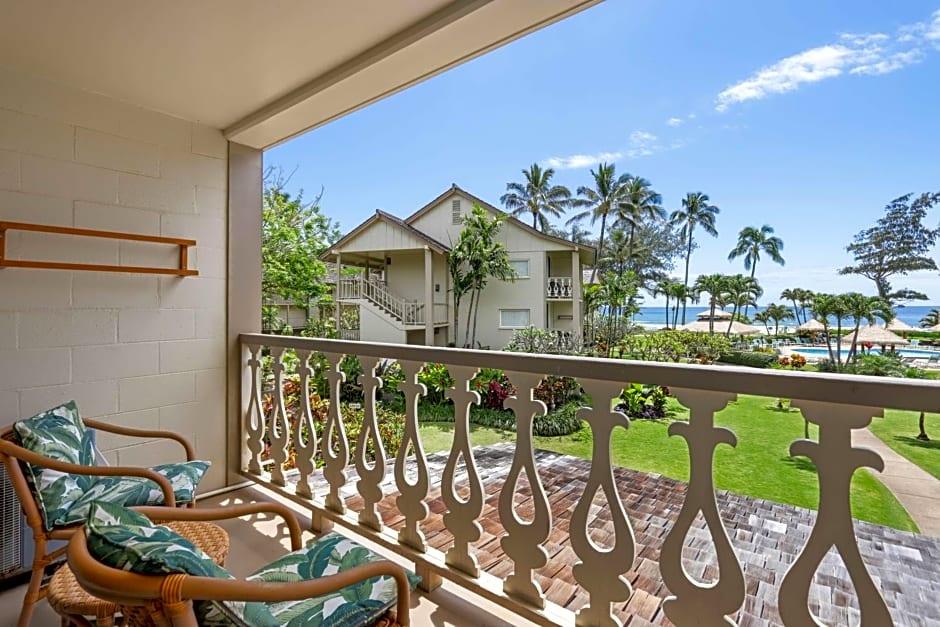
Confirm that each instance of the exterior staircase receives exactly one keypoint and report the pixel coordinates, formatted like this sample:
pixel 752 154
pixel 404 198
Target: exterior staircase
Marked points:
pixel 405 313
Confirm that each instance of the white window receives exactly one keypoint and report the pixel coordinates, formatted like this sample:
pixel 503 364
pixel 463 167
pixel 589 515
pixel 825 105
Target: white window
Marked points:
pixel 521 267
pixel 513 318
pixel 455 211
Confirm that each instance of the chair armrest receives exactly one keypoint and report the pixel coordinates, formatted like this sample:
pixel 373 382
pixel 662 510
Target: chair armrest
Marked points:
pixel 36 459
pixel 212 589
pixel 143 433
pixel 162 514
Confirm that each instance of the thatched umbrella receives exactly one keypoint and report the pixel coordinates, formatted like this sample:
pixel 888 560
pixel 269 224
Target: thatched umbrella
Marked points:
pixel 935 327
pixel 898 325
pixel 875 335
pixel 721 326
pixel 812 325
pixel 720 314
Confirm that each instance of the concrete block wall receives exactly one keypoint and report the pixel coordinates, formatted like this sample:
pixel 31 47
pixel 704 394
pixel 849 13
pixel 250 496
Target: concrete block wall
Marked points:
pixel 138 350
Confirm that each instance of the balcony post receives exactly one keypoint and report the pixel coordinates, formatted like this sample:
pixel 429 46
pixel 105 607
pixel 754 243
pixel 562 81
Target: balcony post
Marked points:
pixel 577 322
pixel 336 303
pixel 428 297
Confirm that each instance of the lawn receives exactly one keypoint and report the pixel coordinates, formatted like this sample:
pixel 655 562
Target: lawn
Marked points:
pixel 760 466
pixel 898 429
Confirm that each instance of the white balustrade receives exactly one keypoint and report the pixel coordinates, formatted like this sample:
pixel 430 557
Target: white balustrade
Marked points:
pixel 559 287
pixel 836 404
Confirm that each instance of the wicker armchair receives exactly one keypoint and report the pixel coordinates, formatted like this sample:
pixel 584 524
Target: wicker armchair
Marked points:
pixel 167 600
pixel 15 456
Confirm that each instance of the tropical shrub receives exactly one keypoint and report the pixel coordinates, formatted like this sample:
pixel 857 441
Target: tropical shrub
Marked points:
pixel 643 401
pixel 541 341
pixel 797 360
pixel 493 386
pixel 437 380
pixel 556 391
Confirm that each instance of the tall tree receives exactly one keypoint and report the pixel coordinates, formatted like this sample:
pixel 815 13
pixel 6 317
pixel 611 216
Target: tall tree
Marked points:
pixel 864 308
pixel 601 201
pixel 777 313
pixel 294 234
pixel 753 241
pixel 715 285
pixel 696 211
pixel 932 319
pixel 740 291
pixel 825 308
pixel 482 257
pixel 537 196
pixel 641 203
pixel 897 245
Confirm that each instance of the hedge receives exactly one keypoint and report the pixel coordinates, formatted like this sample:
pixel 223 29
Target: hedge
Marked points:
pixel 748 358
pixel 562 421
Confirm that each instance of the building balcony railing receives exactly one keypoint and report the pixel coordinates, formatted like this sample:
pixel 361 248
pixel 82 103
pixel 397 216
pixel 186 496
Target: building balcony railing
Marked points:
pixel 560 287
pixel 836 404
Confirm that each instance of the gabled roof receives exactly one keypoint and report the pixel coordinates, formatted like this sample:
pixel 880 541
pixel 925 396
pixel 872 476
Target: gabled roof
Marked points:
pixel 380 215
pixel 455 189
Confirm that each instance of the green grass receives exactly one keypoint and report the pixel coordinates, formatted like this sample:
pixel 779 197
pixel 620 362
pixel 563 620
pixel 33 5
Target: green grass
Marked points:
pixel 760 466
pixel 898 429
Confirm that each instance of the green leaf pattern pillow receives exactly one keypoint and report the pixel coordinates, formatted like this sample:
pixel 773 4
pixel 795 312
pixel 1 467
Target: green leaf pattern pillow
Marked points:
pixel 61 435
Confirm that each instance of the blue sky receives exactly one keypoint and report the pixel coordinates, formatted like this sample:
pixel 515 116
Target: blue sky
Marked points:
pixel 808 116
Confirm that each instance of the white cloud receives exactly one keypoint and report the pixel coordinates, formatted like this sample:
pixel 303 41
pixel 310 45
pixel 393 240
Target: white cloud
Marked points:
pixel 574 162
pixel 675 121
pixel 642 144
pixel 853 54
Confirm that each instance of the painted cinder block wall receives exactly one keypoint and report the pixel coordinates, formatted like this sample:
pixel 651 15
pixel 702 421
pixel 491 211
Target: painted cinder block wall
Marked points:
pixel 138 350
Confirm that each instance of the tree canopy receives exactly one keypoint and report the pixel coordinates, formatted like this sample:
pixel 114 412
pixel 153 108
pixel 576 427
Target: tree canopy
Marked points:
pixel 897 245
pixel 294 234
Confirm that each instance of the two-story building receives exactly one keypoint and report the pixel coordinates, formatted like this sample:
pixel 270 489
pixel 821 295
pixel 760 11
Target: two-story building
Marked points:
pixel 404 293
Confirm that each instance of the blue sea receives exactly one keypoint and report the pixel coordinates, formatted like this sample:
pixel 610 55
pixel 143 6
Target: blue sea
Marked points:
pixel 657 315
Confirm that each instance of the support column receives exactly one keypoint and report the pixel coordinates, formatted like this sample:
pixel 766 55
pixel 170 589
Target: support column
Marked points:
pixel 576 290
pixel 336 303
pixel 428 297
pixel 243 288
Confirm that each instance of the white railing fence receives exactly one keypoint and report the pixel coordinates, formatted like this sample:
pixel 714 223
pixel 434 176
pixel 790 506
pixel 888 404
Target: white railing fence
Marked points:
pixel 405 311
pixel 837 405
pixel 559 287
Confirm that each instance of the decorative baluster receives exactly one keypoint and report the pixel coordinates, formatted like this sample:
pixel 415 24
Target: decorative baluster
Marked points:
pixel 461 516
pixel 691 603
pixel 411 497
pixel 305 448
pixel 836 461
pixel 370 476
pixel 599 570
pixel 254 417
pixel 335 445
pixel 523 540
pixel 278 425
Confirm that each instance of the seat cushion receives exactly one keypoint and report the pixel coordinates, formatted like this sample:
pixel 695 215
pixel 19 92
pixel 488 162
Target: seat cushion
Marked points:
pixel 134 491
pixel 59 434
pixel 356 605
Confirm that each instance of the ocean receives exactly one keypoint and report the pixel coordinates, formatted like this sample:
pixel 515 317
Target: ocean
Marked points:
pixel 657 315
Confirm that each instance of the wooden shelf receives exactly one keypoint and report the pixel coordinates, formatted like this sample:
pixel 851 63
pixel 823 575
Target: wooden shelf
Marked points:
pixel 184 245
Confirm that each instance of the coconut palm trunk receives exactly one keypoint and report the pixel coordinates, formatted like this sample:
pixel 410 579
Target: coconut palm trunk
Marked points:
pixel 688 257
pixel 923 433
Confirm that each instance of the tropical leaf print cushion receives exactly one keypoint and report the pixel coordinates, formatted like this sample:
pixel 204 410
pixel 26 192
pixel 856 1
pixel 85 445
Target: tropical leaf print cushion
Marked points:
pixel 359 604
pixel 59 434
pixel 64 498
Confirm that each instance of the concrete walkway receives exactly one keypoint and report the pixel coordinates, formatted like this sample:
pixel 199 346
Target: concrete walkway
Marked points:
pixel 918 490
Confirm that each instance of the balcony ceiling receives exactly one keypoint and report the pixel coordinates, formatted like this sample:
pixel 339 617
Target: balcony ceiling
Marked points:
pixel 263 71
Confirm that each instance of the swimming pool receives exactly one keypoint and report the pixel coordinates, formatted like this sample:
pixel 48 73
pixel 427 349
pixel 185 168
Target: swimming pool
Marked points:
pixel 822 352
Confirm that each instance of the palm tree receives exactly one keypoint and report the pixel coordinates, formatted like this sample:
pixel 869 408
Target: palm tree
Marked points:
pixel 793 295
pixel 777 313
pixel 715 285
pixel 932 319
pixel 764 317
pixel 752 242
pixel 601 201
pixel 537 196
pixel 696 211
pixel 861 307
pixel 826 306
pixel 577 233
pixel 666 287
pixel 680 293
pixel 740 291
pixel 641 202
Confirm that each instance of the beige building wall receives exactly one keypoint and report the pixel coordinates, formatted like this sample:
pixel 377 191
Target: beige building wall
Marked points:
pixel 138 350
pixel 375 326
